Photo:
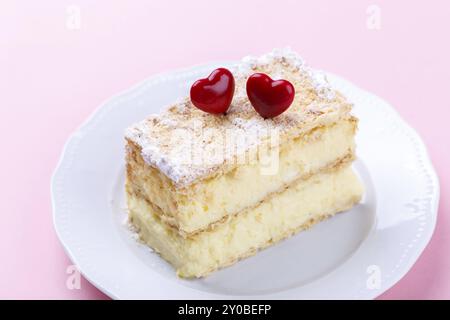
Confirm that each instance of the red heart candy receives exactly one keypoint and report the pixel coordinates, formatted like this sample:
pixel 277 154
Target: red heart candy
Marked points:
pixel 214 93
pixel 270 98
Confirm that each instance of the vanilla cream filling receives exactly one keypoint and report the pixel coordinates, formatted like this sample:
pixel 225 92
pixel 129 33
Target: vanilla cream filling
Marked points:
pixel 294 209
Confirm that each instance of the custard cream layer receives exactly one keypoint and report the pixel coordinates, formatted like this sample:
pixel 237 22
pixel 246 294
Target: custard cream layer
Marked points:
pixel 193 209
pixel 279 216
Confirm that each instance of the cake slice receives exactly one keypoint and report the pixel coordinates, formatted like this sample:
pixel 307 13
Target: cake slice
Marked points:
pixel 206 190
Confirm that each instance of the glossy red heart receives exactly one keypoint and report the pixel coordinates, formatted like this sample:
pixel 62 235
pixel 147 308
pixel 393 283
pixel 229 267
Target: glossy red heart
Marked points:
pixel 214 93
pixel 270 98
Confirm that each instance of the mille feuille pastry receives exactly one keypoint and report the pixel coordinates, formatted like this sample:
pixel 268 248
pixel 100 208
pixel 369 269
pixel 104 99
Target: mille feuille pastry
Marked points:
pixel 206 190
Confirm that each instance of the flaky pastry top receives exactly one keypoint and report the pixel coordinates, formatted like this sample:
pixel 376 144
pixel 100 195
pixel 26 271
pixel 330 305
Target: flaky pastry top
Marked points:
pixel 189 145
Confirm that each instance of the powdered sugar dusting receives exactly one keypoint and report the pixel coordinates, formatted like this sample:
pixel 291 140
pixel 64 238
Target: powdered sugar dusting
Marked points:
pixel 292 62
pixel 187 144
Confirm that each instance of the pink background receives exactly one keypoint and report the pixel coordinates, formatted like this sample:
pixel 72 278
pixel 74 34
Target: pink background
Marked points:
pixel 53 77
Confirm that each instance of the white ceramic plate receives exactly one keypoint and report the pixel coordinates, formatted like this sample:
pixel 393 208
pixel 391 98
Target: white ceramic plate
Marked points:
pixel 359 254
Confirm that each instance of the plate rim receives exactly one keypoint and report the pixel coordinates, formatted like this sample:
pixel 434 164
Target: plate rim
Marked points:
pixel 74 139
